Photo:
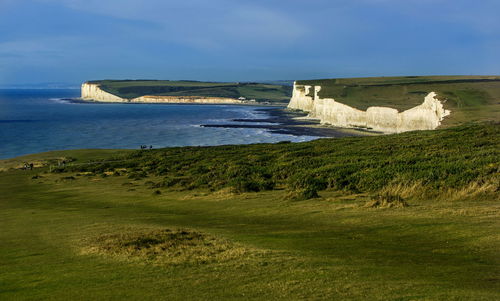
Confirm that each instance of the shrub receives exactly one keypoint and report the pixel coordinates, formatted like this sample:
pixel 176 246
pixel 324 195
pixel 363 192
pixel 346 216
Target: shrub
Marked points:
pixel 306 186
pixel 302 194
pixel 137 175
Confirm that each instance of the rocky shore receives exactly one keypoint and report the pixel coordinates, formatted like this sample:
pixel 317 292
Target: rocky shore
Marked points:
pixel 283 121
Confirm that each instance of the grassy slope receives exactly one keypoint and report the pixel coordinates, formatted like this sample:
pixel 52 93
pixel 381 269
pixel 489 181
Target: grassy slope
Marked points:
pixel 54 157
pixel 435 160
pixel 326 248
pixel 260 92
pixel 470 98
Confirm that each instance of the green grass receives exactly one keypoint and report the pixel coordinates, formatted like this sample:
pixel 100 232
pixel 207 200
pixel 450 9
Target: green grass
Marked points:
pixel 54 157
pixel 136 88
pixel 442 246
pixel 470 98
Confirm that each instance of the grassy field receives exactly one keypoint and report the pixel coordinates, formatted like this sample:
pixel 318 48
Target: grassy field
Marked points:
pixel 470 98
pixel 135 88
pixel 413 216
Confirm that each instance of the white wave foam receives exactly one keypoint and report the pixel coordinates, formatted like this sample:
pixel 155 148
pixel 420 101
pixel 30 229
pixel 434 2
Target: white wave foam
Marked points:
pixel 60 100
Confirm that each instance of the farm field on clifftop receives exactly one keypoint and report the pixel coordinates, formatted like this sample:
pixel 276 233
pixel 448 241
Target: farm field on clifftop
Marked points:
pixel 470 98
pixel 99 230
pixel 136 88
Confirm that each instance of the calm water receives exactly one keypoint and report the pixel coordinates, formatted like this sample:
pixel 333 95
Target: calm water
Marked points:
pixel 34 121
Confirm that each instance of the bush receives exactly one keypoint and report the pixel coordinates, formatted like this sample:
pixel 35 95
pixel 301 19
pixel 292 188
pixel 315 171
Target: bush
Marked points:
pixel 170 181
pixel 254 183
pixel 306 186
pixel 241 184
pixel 302 194
pixel 137 175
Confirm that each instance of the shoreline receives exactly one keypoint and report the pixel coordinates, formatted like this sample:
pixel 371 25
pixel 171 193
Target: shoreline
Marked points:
pixel 282 121
pixel 251 104
pixel 271 119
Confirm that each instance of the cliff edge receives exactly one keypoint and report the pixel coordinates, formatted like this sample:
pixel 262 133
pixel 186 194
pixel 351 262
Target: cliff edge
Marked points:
pixel 95 93
pixel 426 116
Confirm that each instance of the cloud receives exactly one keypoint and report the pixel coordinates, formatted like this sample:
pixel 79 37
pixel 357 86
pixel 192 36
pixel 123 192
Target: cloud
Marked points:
pixel 234 39
pixel 205 25
pixel 4 3
pixel 38 51
pixel 261 23
pixel 481 16
pixel 116 8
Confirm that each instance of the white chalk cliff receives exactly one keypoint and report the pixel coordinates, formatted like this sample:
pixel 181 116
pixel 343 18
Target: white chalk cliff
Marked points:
pixel 426 116
pixel 93 92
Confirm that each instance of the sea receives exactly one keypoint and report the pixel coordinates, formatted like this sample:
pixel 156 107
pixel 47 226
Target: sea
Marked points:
pixel 40 120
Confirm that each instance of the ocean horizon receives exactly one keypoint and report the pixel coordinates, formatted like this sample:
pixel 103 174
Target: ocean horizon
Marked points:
pixel 40 120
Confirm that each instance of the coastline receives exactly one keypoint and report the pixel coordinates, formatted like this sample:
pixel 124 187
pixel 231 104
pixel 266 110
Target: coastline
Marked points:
pixel 283 121
pixel 265 122
pixel 251 104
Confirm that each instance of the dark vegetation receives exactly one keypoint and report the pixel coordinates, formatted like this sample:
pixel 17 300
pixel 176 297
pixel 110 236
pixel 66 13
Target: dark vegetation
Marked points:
pixel 136 88
pixel 470 98
pixel 423 162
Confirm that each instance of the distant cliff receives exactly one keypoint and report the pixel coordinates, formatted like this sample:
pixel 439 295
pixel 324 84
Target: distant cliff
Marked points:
pixel 93 92
pixel 426 116
pixel 185 99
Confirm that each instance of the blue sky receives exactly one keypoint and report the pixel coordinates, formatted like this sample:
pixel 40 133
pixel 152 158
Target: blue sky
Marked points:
pixel 236 40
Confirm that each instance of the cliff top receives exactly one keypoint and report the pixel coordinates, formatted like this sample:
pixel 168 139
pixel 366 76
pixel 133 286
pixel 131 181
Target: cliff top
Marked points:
pixel 468 97
pixel 136 88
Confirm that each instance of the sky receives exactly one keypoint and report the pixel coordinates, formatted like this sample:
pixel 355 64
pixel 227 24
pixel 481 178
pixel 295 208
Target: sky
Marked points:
pixel 71 41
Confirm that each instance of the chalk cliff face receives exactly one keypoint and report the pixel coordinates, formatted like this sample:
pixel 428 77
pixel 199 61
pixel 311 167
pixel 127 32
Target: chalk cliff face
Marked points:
pixel 95 93
pixel 185 99
pixel 426 116
pixel 300 100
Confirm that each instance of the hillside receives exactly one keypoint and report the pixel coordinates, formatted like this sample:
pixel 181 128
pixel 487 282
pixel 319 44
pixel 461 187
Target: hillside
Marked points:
pixel 392 217
pixel 130 89
pixel 451 159
pixel 469 98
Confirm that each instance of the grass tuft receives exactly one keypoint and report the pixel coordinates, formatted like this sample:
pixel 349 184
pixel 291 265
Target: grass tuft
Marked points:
pixel 164 247
pixel 387 200
pixel 474 190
